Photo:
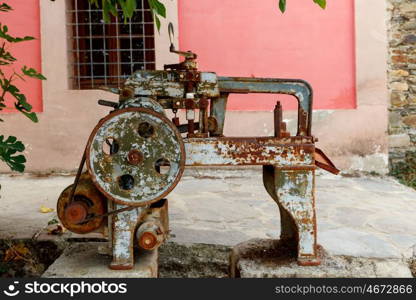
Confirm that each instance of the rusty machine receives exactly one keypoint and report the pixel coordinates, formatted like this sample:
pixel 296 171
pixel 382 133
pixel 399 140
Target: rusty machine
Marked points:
pixel 136 155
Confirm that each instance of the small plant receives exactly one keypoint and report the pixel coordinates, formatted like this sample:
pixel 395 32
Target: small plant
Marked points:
pixel 10 146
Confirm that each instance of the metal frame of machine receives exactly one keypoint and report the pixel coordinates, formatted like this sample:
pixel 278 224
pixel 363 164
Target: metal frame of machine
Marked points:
pixel 123 192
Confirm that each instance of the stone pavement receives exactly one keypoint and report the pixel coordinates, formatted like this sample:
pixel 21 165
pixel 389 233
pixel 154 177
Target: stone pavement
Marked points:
pixel 357 216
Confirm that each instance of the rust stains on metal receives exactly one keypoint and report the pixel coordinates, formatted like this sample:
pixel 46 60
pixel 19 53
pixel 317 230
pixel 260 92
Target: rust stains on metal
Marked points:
pixel 87 200
pixel 141 184
pixel 248 151
pixel 76 212
pixel 134 157
pixel 323 162
pixel 150 235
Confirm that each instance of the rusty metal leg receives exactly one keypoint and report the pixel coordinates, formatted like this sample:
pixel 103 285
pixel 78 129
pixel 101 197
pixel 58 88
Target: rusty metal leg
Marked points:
pixel 123 230
pixel 288 229
pixel 294 191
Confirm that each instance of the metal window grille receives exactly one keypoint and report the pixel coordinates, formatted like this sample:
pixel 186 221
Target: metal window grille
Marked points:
pixel 105 54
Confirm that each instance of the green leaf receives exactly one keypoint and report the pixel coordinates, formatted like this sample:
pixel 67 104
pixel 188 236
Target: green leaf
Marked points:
pixel 158 7
pixel 6 58
pixel 8 148
pixel 108 7
pixel 157 20
pixel 31 115
pixel 321 3
pixel 32 73
pixel 25 108
pixel 282 5
pixel 4 35
pixel 4 7
pixel 132 5
pixel 128 7
pixel 15 92
pixel 21 104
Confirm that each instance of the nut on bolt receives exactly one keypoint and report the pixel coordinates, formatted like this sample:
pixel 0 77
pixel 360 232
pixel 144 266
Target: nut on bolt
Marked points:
pixel 76 212
pixel 134 157
pixel 126 93
pixel 149 235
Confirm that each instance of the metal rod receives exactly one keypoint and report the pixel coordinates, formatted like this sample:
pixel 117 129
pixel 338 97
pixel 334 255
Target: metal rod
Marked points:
pixel 113 212
pixel 108 103
pixel 278 120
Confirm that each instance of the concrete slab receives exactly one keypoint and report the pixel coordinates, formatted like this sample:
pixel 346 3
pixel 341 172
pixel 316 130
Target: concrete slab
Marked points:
pixel 258 258
pixel 82 260
pixel 21 199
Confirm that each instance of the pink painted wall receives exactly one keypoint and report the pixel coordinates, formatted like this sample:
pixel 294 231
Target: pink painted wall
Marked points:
pixel 22 21
pixel 252 38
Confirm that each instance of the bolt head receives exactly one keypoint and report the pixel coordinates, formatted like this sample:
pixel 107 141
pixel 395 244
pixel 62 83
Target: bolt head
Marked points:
pixel 134 157
pixel 76 212
pixel 148 241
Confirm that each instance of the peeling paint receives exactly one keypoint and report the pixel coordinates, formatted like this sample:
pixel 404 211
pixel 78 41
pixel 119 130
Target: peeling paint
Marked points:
pixel 128 148
pixel 148 185
pixel 246 151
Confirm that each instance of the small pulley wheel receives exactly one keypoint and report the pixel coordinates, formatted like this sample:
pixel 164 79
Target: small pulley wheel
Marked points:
pixel 77 215
pixel 135 156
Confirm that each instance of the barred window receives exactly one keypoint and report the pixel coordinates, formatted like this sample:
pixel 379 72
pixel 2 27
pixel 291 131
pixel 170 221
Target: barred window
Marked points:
pixel 105 54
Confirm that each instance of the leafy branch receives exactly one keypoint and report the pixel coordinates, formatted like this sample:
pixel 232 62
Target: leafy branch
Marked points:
pixel 4 7
pixel 8 149
pixel 10 146
pixel 128 7
pixel 282 4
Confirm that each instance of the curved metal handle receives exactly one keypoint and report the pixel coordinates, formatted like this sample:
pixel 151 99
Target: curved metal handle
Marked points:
pixel 171 33
pixel 295 87
pixel 172 49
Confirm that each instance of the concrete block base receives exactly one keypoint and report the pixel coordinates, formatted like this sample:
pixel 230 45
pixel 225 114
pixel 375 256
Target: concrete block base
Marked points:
pixel 260 258
pixel 82 260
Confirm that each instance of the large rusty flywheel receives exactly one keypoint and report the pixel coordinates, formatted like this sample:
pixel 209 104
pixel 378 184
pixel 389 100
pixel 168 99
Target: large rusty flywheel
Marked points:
pixel 135 156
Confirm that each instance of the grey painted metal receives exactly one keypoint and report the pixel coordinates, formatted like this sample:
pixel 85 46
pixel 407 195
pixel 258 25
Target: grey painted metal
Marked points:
pixel 142 102
pixel 140 152
pixel 171 84
pixel 295 87
pixel 289 162
pixel 218 109
pixel 247 151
